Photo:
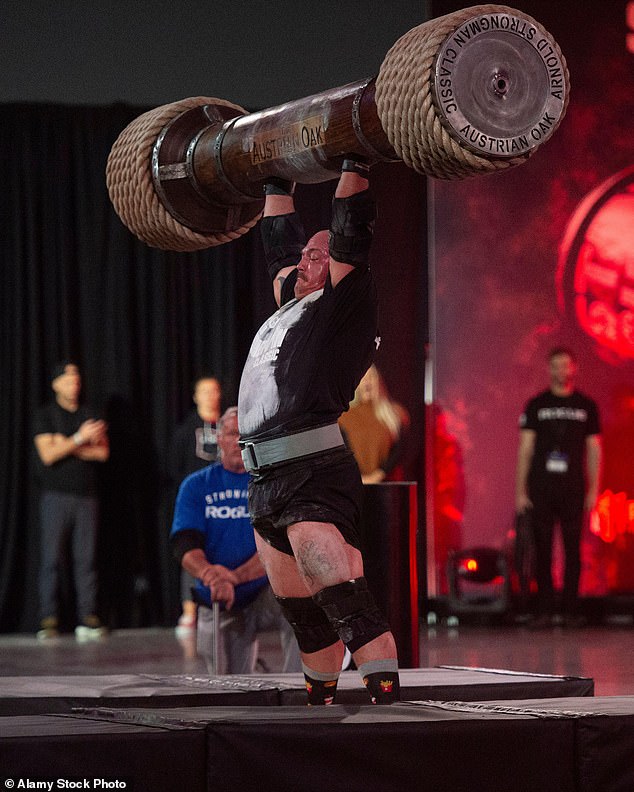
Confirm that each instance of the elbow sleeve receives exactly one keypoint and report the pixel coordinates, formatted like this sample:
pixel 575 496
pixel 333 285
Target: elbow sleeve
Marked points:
pixel 283 238
pixel 183 541
pixel 352 228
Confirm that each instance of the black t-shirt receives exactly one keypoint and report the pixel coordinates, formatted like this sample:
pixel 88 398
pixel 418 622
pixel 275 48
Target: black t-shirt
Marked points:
pixel 561 424
pixel 307 359
pixel 71 474
pixel 194 446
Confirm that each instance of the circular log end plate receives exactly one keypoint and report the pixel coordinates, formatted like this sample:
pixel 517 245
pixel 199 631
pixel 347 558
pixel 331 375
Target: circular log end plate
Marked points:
pixel 500 84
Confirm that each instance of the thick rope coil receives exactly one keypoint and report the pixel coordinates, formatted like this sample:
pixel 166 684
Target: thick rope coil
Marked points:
pixel 131 188
pixel 406 108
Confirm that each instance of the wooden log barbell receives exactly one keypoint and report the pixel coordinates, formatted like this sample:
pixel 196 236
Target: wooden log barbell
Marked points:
pixel 472 92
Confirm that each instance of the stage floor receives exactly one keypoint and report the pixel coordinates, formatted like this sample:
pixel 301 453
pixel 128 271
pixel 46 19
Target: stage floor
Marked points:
pixel 132 731
pixel 601 653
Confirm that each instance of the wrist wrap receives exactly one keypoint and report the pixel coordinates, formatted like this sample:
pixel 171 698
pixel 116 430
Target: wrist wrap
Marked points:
pixel 356 166
pixel 277 186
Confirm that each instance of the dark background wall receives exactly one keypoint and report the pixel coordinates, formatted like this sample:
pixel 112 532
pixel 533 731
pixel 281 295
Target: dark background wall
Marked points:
pixel 150 52
pixel 142 322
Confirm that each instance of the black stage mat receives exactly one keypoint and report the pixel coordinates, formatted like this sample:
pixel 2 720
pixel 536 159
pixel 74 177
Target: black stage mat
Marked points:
pixel 59 694
pixel 445 683
pixel 374 749
pixel 604 734
pixel 568 744
pixel 63 750
pixel 35 695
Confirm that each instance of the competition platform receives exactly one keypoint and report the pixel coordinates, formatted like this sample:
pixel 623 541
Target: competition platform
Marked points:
pixel 568 744
pixel 62 694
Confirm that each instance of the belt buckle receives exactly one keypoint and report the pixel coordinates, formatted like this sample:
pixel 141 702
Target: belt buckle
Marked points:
pixel 252 462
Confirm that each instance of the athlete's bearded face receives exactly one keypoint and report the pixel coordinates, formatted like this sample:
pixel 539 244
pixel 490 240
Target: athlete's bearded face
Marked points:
pixel 313 266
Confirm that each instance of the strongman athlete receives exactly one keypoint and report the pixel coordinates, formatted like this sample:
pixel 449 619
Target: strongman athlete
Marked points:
pixel 304 496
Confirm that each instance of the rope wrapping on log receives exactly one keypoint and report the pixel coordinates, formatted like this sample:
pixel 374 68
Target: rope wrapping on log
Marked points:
pixel 406 106
pixel 457 96
pixel 131 187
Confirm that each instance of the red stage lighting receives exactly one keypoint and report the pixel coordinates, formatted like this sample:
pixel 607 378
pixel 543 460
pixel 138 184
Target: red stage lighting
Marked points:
pixel 595 273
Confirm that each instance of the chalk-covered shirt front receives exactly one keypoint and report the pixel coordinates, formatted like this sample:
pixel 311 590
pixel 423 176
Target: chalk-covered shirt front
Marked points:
pixel 308 357
pixel 213 501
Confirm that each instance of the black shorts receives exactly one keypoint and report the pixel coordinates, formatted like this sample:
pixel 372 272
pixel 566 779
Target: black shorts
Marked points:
pixel 325 488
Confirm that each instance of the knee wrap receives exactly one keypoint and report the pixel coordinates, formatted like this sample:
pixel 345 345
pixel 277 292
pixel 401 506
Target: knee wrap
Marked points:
pixel 283 238
pixel 309 622
pixel 351 228
pixel 352 612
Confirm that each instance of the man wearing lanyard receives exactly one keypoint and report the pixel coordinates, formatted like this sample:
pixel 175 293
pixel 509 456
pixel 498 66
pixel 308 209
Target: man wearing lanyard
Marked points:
pixel 558 469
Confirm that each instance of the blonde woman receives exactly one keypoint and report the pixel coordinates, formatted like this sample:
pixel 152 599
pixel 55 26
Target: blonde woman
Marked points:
pixel 374 427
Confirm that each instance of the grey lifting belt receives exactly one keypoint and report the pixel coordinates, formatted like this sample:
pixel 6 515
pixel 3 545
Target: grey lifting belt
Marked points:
pixel 284 449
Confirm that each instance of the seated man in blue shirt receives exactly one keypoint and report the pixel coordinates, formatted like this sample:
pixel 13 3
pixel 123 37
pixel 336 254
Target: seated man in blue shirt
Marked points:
pixel 213 539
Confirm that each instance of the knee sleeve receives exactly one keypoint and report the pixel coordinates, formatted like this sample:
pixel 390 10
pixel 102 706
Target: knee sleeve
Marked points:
pixel 351 228
pixel 352 612
pixel 309 622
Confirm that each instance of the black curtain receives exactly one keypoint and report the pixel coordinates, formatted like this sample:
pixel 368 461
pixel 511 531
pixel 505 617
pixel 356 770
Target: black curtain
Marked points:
pixel 141 323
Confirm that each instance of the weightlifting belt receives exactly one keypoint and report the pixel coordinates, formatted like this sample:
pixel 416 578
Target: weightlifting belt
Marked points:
pixel 257 456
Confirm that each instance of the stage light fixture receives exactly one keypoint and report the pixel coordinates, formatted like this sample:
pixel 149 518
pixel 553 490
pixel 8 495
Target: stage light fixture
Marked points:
pixel 478 580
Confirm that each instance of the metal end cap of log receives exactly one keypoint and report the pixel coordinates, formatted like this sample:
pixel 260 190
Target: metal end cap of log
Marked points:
pixel 472 92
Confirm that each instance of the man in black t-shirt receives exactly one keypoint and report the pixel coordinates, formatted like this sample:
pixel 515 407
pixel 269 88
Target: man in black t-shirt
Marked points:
pixel 194 443
pixel 304 496
pixel 69 441
pixel 559 462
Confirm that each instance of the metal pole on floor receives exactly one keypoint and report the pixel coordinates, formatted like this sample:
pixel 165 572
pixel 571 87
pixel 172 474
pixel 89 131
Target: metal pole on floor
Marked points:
pixel 215 654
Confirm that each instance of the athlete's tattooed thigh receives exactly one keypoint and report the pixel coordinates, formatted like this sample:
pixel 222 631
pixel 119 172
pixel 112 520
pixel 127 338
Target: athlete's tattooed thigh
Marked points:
pixel 315 563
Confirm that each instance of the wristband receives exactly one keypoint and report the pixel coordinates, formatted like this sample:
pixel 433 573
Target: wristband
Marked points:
pixel 356 166
pixel 78 439
pixel 276 186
